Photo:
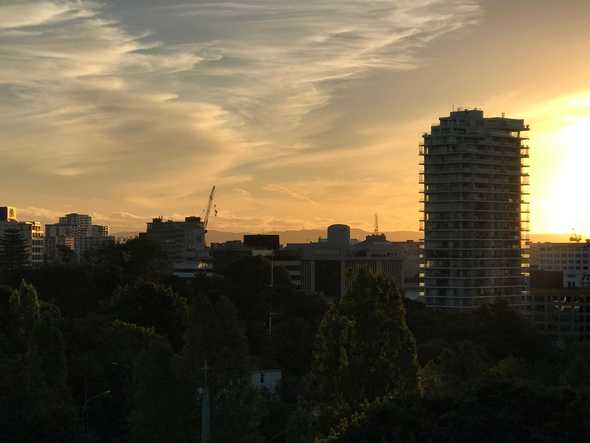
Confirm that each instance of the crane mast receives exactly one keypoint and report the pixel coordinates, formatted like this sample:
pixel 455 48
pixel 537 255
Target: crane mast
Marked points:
pixel 209 206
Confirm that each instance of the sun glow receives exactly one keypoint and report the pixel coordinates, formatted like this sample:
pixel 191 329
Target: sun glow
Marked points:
pixel 560 166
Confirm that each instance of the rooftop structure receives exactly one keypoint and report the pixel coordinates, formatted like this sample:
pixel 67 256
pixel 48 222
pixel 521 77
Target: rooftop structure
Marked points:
pixel 7 213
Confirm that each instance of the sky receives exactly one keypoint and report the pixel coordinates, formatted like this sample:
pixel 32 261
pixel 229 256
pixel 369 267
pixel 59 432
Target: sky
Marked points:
pixel 302 113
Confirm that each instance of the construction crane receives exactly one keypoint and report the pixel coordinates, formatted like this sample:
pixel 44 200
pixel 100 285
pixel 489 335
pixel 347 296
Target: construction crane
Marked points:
pixel 208 211
pixel 575 237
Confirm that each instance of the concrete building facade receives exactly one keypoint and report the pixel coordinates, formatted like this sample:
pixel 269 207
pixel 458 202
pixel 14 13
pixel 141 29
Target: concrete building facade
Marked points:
pixel 30 231
pixel 76 233
pixel 329 265
pixel 571 259
pixel 183 242
pixel 475 211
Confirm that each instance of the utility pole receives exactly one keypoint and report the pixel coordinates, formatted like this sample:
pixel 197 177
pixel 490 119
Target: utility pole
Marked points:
pixel 85 410
pixel 205 411
pixel 272 273
pixel 270 315
pixel 272 283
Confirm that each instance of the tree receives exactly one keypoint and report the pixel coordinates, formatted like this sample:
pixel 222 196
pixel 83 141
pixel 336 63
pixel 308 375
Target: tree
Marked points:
pixel 118 264
pixel 215 336
pixel 13 250
pixel 449 374
pixel 216 352
pixel 364 349
pixel 24 310
pixel 152 305
pixel 36 404
pixel 51 411
pixel 383 420
pixel 160 398
pixel 504 332
pixel 248 286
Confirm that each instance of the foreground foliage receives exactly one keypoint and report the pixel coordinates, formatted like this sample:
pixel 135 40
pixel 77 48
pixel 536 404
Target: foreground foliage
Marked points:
pixel 116 350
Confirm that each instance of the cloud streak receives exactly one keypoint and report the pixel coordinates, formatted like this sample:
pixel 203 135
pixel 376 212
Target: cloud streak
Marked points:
pixel 147 117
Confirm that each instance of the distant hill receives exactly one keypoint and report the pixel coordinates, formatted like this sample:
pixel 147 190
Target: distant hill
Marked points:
pixel 308 235
pixel 312 235
pixel 293 236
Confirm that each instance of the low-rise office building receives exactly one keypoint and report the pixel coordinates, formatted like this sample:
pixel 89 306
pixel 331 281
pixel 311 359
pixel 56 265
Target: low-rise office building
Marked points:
pixel 183 242
pixel 562 314
pixel 328 266
pixel 572 259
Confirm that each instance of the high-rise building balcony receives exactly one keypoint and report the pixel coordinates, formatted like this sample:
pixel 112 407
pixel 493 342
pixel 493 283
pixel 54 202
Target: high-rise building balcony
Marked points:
pixel 475 207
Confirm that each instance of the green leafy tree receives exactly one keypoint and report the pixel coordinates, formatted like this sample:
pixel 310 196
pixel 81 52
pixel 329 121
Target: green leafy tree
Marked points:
pixel 248 286
pixel 448 375
pixel 51 410
pixel 159 398
pixel 119 348
pixel 118 264
pixel 216 341
pixel 152 305
pixel 24 310
pixel 383 420
pixel 504 332
pixel 36 404
pixel 364 349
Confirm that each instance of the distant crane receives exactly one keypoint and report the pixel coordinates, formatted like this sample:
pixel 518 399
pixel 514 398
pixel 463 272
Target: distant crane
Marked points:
pixel 208 210
pixel 575 237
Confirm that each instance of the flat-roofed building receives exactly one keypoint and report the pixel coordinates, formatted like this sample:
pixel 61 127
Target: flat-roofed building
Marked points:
pixel 562 314
pixel 475 211
pixel 76 232
pixel 183 242
pixel 329 265
pixel 571 259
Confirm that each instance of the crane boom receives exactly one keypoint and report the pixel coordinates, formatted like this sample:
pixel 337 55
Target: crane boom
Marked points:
pixel 208 211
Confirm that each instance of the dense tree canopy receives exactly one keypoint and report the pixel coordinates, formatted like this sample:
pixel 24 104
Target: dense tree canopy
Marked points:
pixel 364 349
pixel 114 349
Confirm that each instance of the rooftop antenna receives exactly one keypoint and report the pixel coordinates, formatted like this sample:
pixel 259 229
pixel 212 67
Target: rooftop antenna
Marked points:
pixel 376 224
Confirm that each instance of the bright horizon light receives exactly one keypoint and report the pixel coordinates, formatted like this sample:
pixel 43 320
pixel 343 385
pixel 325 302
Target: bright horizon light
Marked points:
pixel 560 174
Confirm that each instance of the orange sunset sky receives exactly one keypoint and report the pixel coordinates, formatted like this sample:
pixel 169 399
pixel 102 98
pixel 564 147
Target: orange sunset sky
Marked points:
pixel 303 113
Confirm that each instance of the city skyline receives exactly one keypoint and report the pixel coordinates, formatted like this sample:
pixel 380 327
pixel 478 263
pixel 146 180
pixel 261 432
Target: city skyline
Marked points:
pixel 303 114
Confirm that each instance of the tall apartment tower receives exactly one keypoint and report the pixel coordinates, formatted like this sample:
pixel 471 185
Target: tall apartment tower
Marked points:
pixel 475 211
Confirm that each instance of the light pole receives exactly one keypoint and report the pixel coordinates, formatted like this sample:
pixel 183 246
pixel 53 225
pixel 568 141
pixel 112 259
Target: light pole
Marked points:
pixel 85 408
pixel 203 394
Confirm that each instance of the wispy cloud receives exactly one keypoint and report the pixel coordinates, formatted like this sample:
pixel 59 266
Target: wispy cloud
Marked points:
pixel 284 59
pixel 148 117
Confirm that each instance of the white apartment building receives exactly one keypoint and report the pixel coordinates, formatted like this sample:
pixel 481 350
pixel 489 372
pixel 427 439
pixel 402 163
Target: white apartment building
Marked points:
pixel 475 211
pixel 572 259
pixel 76 232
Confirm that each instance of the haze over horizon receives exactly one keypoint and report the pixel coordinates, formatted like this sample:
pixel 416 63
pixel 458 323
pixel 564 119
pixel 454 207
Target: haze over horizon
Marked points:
pixel 303 114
